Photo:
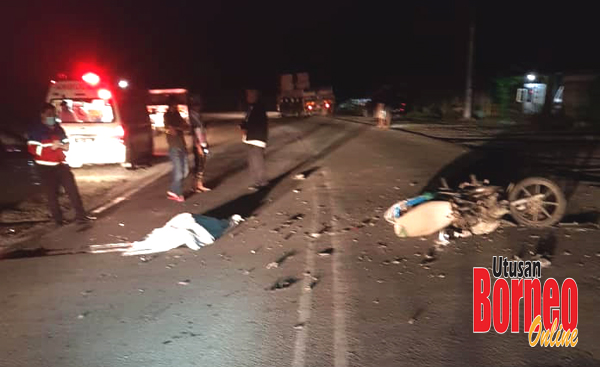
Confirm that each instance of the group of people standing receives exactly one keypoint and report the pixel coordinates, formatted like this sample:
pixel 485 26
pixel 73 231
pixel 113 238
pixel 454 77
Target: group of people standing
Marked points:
pixel 254 133
pixel 48 143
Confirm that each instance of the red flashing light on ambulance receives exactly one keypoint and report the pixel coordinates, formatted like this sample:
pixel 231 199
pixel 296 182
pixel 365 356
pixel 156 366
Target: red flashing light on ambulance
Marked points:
pixel 91 78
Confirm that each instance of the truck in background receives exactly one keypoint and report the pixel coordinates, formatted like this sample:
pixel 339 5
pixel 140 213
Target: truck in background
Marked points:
pixel 297 99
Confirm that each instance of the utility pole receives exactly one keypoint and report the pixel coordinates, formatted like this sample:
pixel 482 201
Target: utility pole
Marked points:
pixel 469 86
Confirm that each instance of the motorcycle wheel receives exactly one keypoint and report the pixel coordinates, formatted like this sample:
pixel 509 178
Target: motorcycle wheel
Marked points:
pixel 544 212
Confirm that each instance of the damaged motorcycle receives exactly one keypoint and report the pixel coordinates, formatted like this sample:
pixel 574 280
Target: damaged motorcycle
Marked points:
pixel 477 208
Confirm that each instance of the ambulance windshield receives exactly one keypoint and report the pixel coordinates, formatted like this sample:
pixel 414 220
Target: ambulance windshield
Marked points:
pixel 84 110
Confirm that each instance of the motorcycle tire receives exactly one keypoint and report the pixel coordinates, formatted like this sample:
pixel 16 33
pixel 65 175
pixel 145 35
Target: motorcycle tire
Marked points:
pixel 560 202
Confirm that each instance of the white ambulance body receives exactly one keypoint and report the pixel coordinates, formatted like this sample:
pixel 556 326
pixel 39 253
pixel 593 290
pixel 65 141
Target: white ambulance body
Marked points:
pixel 105 123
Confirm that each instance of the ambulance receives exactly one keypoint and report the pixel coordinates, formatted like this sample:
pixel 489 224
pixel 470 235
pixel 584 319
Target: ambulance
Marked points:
pixel 106 122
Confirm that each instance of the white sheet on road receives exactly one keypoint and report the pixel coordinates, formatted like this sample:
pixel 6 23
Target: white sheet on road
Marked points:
pixel 179 231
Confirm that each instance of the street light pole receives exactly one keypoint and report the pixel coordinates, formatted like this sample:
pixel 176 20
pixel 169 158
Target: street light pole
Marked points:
pixel 469 86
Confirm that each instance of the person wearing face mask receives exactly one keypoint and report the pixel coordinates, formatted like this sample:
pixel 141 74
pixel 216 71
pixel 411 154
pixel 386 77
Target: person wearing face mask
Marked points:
pixel 48 143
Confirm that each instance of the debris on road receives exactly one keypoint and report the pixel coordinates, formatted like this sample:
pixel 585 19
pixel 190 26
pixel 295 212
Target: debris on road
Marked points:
pixel 146 259
pixel 191 230
pixel 326 252
pixel 443 239
pixel 283 283
pixel 365 257
pixel 324 230
pixel 313 283
pixel 544 261
pixel 283 258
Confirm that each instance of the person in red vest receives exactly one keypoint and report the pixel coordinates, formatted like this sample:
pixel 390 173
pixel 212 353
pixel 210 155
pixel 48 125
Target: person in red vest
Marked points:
pixel 48 143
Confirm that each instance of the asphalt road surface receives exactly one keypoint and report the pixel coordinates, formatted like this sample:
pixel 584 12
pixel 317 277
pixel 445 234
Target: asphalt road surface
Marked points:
pixel 346 291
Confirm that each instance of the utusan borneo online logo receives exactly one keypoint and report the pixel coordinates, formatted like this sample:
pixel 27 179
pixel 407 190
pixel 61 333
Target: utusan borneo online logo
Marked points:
pixel 498 306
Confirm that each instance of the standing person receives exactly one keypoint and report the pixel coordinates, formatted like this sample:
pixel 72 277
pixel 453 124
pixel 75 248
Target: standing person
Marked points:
pixel 66 115
pixel 175 127
pixel 379 114
pixel 255 131
pixel 48 143
pixel 200 145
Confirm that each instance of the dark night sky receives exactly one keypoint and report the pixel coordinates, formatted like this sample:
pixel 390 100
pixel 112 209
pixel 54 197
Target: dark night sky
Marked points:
pixel 219 47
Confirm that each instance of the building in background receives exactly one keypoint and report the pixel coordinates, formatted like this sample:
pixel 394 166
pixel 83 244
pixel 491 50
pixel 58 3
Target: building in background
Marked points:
pixel 571 94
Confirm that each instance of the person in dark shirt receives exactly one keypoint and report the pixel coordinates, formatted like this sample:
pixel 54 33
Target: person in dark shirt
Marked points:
pixel 175 127
pixel 48 142
pixel 255 131
pixel 200 144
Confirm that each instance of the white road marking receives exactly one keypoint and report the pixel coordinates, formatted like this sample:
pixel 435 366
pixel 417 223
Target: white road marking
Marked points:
pixel 305 302
pixel 153 178
pixel 114 202
pixel 340 341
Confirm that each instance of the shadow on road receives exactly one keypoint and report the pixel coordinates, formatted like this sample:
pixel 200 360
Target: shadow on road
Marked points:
pixel 237 166
pixel 247 204
pixel 505 159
